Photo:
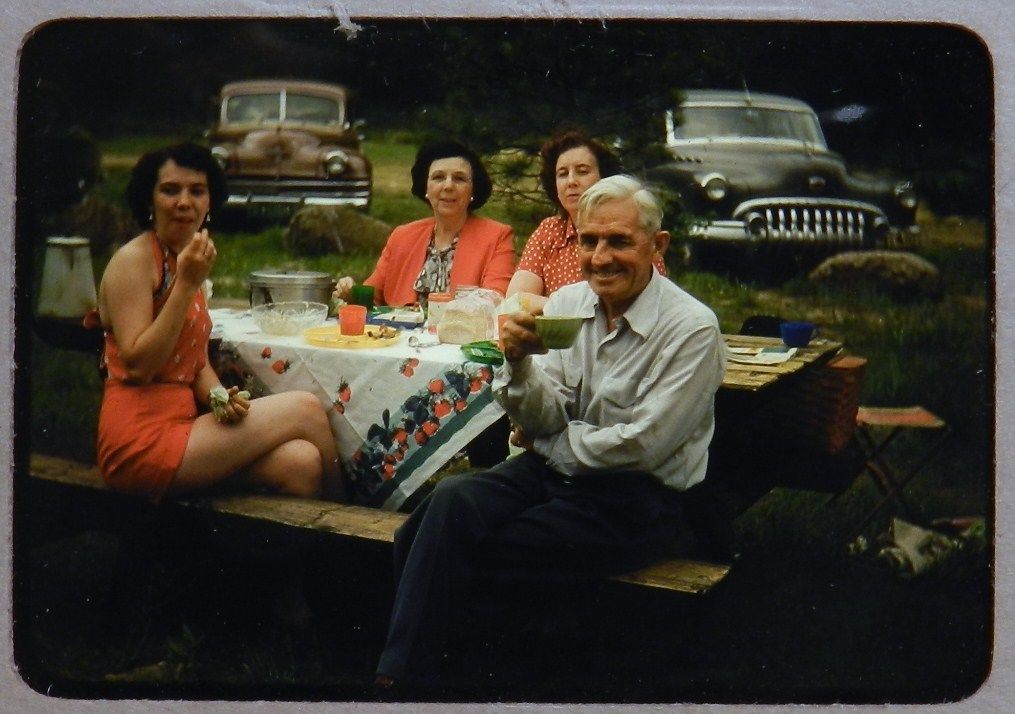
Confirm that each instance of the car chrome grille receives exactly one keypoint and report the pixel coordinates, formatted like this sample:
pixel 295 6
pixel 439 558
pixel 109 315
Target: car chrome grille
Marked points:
pixel 802 219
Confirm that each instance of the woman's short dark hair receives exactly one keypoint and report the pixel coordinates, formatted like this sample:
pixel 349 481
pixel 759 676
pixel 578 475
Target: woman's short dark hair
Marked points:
pixel 564 140
pixel 187 155
pixel 428 153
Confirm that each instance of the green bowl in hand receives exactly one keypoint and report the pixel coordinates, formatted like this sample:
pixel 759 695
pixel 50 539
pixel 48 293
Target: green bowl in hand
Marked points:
pixel 557 333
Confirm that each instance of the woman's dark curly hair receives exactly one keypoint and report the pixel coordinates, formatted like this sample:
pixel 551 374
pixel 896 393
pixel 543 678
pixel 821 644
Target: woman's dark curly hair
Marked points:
pixel 428 153
pixel 609 164
pixel 146 173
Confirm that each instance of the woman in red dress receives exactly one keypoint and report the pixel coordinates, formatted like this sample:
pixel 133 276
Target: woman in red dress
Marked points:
pixel 153 439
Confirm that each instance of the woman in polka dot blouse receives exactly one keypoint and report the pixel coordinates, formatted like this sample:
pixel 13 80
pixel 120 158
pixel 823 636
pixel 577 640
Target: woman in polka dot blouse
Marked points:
pixel 572 161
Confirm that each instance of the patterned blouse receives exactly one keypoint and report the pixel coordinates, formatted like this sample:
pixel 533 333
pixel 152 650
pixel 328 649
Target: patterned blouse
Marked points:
pixel 552 253
pixel 436 273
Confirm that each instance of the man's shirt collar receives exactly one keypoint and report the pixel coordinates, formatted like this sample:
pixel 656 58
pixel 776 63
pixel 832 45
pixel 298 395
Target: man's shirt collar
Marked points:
pixel 644 311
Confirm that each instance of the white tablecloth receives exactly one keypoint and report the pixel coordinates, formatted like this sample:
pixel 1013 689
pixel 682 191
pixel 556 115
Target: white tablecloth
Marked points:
pixel 398 413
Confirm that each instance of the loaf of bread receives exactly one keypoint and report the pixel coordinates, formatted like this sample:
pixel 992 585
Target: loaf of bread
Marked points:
pixel 458 328
pixel 466 320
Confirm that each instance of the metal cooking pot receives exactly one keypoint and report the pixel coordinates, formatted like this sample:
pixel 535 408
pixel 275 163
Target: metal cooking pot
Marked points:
pixel 267 286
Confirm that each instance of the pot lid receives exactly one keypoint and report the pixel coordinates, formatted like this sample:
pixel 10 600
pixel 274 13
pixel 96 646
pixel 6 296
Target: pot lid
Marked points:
pixel 289 277
pixel 67 241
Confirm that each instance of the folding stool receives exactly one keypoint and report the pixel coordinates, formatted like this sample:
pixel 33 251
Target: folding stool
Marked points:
pixel 870 422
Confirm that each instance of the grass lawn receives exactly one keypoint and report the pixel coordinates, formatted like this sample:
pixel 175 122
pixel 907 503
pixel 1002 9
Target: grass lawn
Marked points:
pixel 798 621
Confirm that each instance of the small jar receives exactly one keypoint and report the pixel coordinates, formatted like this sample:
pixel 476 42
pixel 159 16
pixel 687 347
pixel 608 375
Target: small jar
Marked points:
pixel 436 303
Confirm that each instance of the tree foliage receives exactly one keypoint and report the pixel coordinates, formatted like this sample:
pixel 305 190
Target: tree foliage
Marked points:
pixel 503 84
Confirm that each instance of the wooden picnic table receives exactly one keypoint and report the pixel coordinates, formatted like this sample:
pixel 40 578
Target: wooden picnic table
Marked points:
pixel 760 439
pixel 372 393
pixel 754 377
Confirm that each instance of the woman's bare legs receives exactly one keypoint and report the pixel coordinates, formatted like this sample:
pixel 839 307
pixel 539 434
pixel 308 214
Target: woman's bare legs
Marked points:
pixel 293 468
pixel 284 443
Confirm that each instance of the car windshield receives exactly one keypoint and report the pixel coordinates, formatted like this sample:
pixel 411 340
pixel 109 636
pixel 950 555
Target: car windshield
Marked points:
pixel 268 107
pixel 700 122
pixel 312 109
pixel 247 108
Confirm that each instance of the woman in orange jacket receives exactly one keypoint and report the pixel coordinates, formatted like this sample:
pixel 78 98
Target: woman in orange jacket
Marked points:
pixel 455 247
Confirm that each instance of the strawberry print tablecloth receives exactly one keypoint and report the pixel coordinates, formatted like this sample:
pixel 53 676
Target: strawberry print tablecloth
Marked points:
pixel 398 413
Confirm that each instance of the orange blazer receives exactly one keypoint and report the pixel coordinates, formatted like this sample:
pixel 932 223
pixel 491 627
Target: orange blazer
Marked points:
pixel 485 256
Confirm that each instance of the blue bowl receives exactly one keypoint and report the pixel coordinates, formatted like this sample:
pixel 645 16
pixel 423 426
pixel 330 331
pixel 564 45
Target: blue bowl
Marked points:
pixel 797 334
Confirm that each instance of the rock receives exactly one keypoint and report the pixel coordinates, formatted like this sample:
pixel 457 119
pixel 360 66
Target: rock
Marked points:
pixel 319 230
pixel 904 276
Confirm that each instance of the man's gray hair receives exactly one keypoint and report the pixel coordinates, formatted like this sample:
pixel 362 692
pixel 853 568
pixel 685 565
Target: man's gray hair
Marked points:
pixel 618 188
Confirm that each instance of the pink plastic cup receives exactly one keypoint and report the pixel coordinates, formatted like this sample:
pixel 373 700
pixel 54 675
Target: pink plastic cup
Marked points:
pixel 351 319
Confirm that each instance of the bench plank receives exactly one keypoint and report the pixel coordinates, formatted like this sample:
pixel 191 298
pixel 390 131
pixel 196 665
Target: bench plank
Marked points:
pixel 338 518
pixel 685 576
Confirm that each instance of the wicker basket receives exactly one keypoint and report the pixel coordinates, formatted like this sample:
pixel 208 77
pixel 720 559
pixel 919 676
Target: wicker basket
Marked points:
pixel 819 412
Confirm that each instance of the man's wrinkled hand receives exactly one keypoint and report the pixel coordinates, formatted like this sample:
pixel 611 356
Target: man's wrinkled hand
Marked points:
pixel 519 439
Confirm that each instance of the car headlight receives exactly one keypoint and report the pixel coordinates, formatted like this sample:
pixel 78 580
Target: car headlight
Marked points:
pixel 757 226
pixel 221 155
pixel 335 162
pixel 880 228
pixel 715 187
pixel 905 195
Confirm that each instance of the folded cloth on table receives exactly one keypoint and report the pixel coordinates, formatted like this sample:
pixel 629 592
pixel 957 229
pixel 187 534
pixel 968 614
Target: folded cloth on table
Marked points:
pixel 399 318
pixel 760 355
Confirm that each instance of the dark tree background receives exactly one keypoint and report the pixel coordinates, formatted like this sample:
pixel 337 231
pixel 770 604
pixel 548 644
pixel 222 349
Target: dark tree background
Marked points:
pixel 927 89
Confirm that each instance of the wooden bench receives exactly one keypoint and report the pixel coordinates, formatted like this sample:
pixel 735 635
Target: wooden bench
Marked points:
pixel 367 524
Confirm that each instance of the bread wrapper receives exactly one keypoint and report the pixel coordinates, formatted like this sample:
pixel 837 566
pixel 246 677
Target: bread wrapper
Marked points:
pixel 469 318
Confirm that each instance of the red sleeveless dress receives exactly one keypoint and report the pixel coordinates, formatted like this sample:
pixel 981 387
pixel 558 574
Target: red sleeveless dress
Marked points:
pixel 143 429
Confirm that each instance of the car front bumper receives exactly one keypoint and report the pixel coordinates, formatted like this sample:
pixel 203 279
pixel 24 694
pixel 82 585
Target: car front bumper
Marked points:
pixel 737 232
pixel 837 223
pixel 298 193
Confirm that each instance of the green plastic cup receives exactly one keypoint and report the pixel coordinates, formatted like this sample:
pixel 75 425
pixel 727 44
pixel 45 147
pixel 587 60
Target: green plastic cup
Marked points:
pixel 362 295
pixel 557 333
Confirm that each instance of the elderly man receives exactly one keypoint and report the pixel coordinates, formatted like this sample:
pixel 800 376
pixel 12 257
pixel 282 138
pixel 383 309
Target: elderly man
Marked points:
pixel 615 427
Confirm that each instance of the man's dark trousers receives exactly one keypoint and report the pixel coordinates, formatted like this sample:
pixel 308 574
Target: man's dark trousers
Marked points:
pixel 519 520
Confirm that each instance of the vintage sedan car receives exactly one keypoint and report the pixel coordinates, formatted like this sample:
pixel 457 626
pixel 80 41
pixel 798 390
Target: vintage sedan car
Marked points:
pixel 288 143
pixel 754 171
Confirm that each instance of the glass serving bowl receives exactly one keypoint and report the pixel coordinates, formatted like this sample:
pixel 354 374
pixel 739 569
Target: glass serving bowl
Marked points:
pixel 289 318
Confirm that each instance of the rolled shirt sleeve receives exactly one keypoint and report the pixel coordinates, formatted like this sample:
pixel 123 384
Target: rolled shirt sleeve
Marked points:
pixel 537 402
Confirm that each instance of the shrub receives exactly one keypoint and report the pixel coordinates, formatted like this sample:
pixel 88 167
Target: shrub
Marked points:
pixel 62 165
pixel 965 190
pixel 105 223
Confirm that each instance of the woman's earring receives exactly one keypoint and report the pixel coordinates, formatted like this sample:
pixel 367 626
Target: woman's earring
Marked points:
pixel 207 218
pixel 151 216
